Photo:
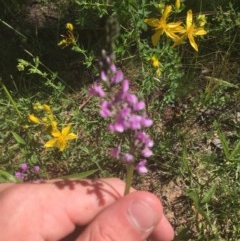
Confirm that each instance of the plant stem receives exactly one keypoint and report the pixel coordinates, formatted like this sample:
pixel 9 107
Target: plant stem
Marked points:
pixel 10 98
pixel 129 178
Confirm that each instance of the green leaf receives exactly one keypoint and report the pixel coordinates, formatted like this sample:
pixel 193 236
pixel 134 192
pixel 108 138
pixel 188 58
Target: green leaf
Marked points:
pixel 223 141
pixel 18 138
pixel 208 195
pixel 7 177
pixel 81 174
pixel 236 152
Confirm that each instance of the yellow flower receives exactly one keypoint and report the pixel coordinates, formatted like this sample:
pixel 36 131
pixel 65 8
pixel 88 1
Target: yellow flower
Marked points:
pixel 161 26
pixel 190 31
pixel 177 4
pixel 60 137
pixel 33 119
pixel 155 62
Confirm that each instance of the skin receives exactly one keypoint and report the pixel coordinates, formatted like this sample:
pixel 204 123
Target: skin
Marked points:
pixel 80 210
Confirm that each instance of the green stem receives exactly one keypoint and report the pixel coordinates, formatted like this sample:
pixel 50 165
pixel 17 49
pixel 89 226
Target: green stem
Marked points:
pixel 129 178
pixel 10 98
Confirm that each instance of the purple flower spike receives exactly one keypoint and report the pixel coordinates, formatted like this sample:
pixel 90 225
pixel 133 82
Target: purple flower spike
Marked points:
pixel 19 175
pixel 36 169
pixel 24 167
pixel 141 167
pixel 127 114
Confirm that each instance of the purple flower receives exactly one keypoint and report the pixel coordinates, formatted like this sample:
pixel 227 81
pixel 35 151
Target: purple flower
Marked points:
pixel 146 122
pixel 131 99
pixel 146 152
pixel 113 68
pixel 128 158
pixel 135 122
pixel 103 76
pixel 143 138
pixel 125 86
pixel 141 167
pixel 19 175
pixel 115 152
pixel 117 78
pixel 139 106
pixel 97 90
pixel 36 169
pixel 105 109
pixel 24 167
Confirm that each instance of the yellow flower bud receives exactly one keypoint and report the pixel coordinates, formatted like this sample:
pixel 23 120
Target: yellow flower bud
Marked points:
pixel 155 62
pixel 37 106
pixel 201 19
pixel 69 27
pixel 33 119
pixel 47 108
pixel 177 4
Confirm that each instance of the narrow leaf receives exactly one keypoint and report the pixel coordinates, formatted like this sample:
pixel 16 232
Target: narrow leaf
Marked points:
pixel 18 138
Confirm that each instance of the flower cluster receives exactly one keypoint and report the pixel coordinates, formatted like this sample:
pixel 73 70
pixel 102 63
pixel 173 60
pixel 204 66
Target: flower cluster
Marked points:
pixel 69 38
pixel 126 111
pixel 175 30
pixel 28 173
pixel 60 138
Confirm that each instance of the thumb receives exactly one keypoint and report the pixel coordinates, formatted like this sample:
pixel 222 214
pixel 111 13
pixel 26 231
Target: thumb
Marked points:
pixel 131 218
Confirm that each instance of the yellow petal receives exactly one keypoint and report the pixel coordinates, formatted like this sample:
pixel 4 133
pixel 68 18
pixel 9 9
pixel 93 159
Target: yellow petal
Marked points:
pixel 65 130
pixel 33 119
pixel 62 145
pixel 189 19
pixel 171 35
pixel 175 25
pixel 154 22
pixel 180 40
pixel 71 136
pixel 156 37
pixel 167 11
pixel 200 31
pixel 51 143
pixel 56 132
pixel 192 42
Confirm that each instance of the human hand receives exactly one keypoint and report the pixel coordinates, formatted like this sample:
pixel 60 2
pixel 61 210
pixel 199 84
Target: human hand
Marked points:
pixel 80 210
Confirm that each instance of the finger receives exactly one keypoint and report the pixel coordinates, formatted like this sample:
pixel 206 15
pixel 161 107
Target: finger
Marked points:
pixel 163 231
pixel 57 207
pixel 131 218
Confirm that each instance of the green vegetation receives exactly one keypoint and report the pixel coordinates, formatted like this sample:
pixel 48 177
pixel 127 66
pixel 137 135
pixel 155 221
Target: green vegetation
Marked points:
pixel 182 59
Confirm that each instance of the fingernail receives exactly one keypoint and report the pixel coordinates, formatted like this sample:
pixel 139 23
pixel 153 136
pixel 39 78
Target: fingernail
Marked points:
pixel 142 216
